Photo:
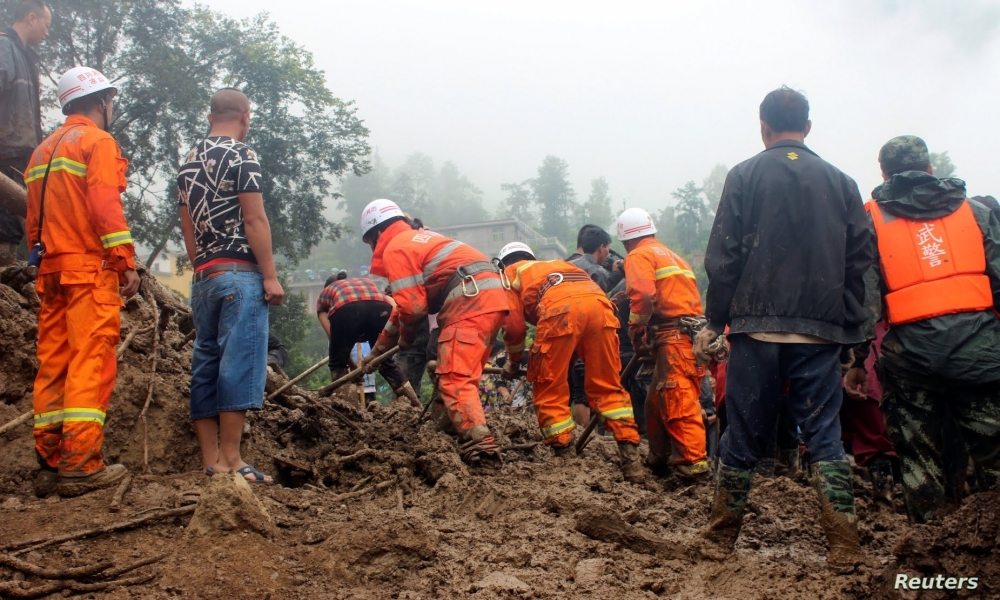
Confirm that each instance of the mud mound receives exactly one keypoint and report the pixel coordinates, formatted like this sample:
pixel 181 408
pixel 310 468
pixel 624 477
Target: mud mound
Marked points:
pixel 964 544
pixel 228 504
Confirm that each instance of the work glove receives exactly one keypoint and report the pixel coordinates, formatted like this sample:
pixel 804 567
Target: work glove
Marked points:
pixel 702 341
pixel 366 363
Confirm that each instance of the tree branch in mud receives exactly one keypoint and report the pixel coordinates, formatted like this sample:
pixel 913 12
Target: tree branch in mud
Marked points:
pixel 14 589
pixel 367 490
pixel 31 569
pixel 123 487
pixel 606 526
pixel 45 542
pixel 152 381
pixel 18 421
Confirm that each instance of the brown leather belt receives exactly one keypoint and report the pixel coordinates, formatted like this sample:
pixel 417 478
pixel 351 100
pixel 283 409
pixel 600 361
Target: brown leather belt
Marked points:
pixel 556 278
pixel 219 269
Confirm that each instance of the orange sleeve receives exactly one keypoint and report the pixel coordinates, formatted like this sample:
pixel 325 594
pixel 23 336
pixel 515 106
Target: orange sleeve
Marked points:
pixel 640 284
pixel 390 333
pixel 105 184
pixel 408 291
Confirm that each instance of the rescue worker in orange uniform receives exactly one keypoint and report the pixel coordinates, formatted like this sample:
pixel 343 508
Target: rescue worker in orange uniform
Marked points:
pixel 936 281
pixel 662 289
pixel 76 223
pixel 429 273
pixel 573 318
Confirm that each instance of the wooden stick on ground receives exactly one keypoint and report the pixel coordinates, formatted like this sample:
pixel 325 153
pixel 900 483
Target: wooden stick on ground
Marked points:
pixel 369 489
pixel 115 572
pixel 361 386
pixel 13 589
pixel 123 487
pixel 327 389
pixel 45 542
pixel 32 569
pixel 152 382
pixel 299 378
pixel 18 421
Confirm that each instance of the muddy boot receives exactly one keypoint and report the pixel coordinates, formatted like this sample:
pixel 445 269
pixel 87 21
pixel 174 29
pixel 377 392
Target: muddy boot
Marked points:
pixel 880 473
pixel 406 391
pixel 788 464
pixel 477 446
pixel 765 468
pixel 632 468
pixel 45 482
pixel 698 470
pixel 836 497
pixel 732 486
pixel 75 486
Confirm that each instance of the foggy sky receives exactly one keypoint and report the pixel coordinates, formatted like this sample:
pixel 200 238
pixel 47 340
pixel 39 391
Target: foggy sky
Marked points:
pixel 651 95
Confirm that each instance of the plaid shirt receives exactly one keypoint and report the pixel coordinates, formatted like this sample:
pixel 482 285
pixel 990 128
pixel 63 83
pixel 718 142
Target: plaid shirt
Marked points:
pixel 346 291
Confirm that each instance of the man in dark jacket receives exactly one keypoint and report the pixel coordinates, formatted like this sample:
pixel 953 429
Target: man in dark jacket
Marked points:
pixel 593 247
pixel 20 116
pixel 936 281
pixel 785 262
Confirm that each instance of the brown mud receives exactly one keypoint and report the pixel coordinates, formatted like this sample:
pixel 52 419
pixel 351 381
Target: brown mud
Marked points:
pixel 374 503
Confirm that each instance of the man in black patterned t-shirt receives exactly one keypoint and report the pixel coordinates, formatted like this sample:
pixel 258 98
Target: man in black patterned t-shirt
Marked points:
pixel 228 240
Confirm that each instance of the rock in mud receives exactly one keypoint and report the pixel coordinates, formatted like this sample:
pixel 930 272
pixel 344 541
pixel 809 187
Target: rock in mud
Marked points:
pixel 228 504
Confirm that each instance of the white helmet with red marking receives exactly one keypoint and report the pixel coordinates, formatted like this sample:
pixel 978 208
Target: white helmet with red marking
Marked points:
pixel 512 248
pixel 635 223
pixel 378 212
pixel 79 82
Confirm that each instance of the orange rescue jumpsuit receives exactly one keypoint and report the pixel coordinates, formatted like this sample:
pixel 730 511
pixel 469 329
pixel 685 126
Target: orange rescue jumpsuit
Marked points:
pixel 419 265
pixel 573 317
pixel 661 287
pixel 88 247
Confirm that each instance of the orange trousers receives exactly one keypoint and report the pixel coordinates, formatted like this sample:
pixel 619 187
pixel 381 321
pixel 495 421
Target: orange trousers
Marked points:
pixel 673 414
pixel 78 329
pixel 585 327
pixel 463 348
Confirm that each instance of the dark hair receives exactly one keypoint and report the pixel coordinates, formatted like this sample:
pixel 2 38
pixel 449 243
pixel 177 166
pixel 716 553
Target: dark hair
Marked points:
pixel 416 223
pixel 27 7
pixel 917 166
pixel 341 275
pixel 785 109
pixel 86 103
pixel 592 237
pixel 330 280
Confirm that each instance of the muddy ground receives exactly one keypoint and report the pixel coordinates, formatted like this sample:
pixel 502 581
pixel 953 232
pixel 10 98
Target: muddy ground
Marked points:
pixel 373 503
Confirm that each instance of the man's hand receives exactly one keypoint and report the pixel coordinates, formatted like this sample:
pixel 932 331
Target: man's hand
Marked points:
pixel 511 370
pixel 131 286
pixel 856 383
pixel 702 341
pixel 366 363
pixel 637 335
pixel 846 359
pixel 273 294
pixel 618 297
pixel 617 266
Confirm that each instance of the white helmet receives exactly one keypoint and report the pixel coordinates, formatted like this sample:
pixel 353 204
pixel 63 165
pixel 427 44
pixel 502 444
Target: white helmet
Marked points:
pixel 513 247
pixel 634 223
pixel 79 82
pixel 377 212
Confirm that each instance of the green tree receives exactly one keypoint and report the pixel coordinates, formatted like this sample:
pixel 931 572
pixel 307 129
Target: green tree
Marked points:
pixel 691 213
pixel 597 210
pixel 167 59
pixel 518 202
pixel 356 191
pixel 412 186
pixel 555 197
pixel 713 185
pixel 943 167
pixel 456 199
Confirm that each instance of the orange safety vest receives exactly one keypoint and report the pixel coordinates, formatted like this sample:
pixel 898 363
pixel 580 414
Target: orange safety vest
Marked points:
pixel 931 267
pixel 419 265
pixel 527 297
pixel 660 284
pixel 83 227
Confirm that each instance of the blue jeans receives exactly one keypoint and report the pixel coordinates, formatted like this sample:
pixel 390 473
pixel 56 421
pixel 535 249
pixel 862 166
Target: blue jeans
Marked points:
pixel 755 380
pixel 229 363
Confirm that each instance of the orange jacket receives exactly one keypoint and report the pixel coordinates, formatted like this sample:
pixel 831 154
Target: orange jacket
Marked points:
pixel 526 280
pixel 660 284
pixel 418 265
pixel 83 227
pixel 934 267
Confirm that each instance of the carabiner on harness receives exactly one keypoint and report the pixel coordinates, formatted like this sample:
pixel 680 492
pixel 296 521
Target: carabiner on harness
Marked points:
pixel 466 279
pixel 504 280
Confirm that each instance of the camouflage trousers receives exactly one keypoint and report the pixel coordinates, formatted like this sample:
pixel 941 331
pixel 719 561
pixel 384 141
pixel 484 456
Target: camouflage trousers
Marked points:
pixel 914 412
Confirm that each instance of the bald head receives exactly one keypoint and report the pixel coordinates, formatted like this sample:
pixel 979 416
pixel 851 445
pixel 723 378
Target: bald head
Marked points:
pixel 229 104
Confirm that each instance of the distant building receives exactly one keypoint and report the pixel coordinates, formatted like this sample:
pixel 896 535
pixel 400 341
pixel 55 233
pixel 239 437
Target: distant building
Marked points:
pixel 490 236
pixel 164 269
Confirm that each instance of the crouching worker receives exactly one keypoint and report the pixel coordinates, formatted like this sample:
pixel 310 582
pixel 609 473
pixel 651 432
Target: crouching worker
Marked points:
pixel 75 180
pixel 354 310
pixel 429 273
pixel 573 317
pixel 662 291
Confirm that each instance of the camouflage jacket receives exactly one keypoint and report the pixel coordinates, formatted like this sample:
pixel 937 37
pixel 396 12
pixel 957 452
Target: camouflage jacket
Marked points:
pixel 959 347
